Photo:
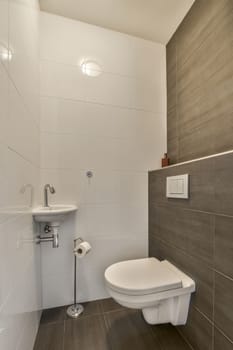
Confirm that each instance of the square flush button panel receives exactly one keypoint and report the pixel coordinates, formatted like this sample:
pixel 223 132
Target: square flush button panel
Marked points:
pixel 178 186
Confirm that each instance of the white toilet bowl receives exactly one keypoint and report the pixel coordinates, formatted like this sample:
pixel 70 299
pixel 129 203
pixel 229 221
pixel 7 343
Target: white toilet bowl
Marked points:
pixel 157 287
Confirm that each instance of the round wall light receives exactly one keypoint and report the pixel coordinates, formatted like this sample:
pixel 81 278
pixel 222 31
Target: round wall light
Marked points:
pixel 91 68
pixel 5 54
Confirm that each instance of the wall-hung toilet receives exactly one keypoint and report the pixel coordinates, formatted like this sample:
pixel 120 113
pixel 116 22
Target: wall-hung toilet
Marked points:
pixel 157 287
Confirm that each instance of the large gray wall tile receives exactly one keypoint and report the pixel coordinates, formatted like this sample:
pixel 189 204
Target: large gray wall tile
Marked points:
pixel 190 231
pixel 198 331
pixel 224 185
pixel 198 25
pixel 224 245
pixel 221 342
pixel 200 82
pixel 223 304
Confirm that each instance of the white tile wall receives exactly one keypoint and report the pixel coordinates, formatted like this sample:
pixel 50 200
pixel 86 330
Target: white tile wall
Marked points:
pixel 20 281
pixel 115 52
pixel 114 125
pixel 67 81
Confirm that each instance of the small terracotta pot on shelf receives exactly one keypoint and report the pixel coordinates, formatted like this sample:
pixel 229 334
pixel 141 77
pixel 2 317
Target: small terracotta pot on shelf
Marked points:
pixel 165 160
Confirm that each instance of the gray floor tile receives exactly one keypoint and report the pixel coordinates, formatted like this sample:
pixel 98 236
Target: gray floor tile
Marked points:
pixel 86 333
pixel 224 245
pixel 109 304
pixel 169 338
pixel 127 330
pixel 54 315
pixel 50 337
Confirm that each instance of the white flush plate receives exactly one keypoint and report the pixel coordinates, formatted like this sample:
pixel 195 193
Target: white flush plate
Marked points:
pixel 177 186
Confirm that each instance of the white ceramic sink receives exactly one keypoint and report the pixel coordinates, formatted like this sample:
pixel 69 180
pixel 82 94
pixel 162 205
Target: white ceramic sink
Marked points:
pixel 53 214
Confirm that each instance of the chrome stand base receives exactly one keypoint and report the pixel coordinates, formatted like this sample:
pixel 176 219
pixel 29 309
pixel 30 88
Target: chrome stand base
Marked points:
pixel 74 311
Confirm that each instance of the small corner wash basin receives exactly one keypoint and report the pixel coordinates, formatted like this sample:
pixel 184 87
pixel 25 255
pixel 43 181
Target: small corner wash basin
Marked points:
pixel 53 214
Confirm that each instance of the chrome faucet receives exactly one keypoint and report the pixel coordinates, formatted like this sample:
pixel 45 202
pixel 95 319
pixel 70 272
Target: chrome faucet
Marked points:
pixel 46 188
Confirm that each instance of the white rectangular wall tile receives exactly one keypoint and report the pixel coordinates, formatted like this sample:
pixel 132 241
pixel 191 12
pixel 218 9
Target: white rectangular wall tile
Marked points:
pixel 93 119
pixel 68 151
pixel 114 125
pixel 4 87
pixel 4 27
pixel 22 131
pixel 113 220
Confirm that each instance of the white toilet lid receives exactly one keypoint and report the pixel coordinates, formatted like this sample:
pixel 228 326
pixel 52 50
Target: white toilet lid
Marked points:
pixel 141 276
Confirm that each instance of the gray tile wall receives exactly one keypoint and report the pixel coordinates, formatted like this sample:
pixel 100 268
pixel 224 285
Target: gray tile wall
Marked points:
pixel 200 82
pixel 197 236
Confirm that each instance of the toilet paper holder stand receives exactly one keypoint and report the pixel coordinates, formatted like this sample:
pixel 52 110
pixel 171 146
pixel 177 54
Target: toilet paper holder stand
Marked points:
pixel 75 310
pixel 77 241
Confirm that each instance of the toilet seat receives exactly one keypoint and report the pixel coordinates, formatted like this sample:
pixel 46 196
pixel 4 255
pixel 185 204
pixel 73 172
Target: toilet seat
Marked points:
pixel 141 277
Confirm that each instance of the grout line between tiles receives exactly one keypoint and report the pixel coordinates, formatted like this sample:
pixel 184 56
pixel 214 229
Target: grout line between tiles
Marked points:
pixel 53 323
pixel 223 334
pixel 24 158
pixel 105 322
pixel 102 71
pixel 214 250
pixel 175 206
pixel 185 252
pixel 20 95
pixel 82 317
pixel 223 275
pixel 106 329
pixel 104 104
pixel 64 330
pixel 119 170
pixel 206 317
pixel 177 110
pixel 155 337
pixel 128 171
pixel 185 339
pixel 117 310
pixel 86 134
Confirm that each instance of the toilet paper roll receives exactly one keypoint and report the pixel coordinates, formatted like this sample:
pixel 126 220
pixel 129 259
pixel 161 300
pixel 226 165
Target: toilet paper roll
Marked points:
pixel 82 249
